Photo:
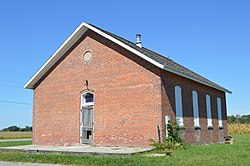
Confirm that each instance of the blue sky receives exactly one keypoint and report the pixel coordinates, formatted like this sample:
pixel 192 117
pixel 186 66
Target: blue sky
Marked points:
pixel 210 37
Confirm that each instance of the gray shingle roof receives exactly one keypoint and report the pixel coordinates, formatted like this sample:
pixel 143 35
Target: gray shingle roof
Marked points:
pixel 168 64
pixel 150 56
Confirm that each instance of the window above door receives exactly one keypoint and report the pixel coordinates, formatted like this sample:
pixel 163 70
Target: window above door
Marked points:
pixel 87 98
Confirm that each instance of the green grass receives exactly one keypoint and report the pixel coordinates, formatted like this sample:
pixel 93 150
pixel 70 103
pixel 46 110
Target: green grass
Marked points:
pixel 6 144
pixel 198 155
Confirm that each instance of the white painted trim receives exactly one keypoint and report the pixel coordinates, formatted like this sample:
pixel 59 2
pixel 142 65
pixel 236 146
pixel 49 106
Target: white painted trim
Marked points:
pixel 178 105
pixel 167 120
pixel 69 42
pixel 76 35
pixel 195 109
pixel 81 126
pixel 209 113
pixel 123 45
pixel 83 101
pixel 56 56
pixel 219 112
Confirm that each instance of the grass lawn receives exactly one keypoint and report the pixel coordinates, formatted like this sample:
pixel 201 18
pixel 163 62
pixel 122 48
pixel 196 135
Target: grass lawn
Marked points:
pixel 216 154
pixel 6 144
pixel 15 135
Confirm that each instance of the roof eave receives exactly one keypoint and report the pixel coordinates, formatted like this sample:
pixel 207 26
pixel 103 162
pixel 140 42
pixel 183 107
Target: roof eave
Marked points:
pixel 107 36
pixel 76 35
pixel 196 80
pixel 69 42
pixel 56 56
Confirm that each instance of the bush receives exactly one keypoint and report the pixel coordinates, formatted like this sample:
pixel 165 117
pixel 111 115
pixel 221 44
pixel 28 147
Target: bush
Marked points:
pixel 162 146
pixel 174 139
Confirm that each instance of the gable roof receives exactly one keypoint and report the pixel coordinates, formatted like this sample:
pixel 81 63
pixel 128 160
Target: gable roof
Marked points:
pixel 150 56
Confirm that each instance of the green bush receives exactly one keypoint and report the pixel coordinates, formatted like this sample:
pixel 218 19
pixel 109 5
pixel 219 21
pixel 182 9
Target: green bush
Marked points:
pixel 162 146
pixel 174 139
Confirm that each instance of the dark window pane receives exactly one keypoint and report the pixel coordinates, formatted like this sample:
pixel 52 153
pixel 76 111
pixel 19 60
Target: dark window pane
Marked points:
pixel 89 97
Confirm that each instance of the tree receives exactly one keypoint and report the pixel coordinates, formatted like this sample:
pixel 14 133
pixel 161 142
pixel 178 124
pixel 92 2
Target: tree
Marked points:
pixel 16 128
pixel 237 119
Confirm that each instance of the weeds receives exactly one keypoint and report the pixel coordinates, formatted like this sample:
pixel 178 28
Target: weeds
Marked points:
pixel 174 139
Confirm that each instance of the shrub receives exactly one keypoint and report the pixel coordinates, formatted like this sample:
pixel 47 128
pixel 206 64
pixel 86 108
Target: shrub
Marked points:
pixel 174 139
pixel 165 145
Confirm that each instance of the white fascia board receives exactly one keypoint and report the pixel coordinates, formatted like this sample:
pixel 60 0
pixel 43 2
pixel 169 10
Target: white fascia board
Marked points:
pixel 196 80
pixel 56 56
pixel 124 45
pixel 76 35
pixel 70 41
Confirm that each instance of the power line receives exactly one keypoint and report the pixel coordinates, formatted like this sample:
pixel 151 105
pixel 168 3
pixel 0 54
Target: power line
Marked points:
pixel 3 80
pixel 11 86
pixel 14 102
pixel 12 72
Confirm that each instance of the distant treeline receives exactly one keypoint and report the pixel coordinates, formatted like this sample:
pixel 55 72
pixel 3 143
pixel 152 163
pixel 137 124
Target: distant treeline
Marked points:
pixel 16 128
pixel 233 119
pixel 237 119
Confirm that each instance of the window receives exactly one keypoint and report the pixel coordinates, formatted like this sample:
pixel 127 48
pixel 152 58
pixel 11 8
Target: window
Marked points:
pixel 87 98
pixel 178 105
pixel 209 116
pixel 219 112
pixel 195 109
pixel 87 56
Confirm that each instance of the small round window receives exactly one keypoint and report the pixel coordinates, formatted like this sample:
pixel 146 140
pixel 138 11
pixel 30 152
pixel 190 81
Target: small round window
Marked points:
pixel 87 56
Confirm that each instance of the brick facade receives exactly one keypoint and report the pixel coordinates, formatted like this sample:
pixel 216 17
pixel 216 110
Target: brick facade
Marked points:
pixel 204 135
pixel 132 97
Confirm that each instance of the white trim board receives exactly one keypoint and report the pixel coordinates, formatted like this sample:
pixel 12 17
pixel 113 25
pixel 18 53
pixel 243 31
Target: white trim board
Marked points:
pixel 69 43
pixel 76 35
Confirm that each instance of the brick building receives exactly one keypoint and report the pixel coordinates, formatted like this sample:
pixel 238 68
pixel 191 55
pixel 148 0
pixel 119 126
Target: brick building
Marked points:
pixel 101 89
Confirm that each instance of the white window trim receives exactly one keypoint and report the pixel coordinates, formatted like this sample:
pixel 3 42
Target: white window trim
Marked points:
pixel 219 112
pixel 195 108
pixel 83 101
pixel 178 105
pixel 209 113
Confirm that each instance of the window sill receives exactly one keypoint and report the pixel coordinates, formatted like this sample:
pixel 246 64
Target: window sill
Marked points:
pixel 210 127
pixel 197 127
pixel 220 127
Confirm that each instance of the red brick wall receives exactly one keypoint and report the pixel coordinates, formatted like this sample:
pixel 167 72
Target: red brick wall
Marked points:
pixel 127 106
pixel 169 81
pixel 131 97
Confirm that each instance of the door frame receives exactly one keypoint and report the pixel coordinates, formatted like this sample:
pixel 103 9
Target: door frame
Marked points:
pixel 84 104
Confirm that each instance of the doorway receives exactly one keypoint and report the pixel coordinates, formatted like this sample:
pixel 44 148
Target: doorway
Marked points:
pixel 87 118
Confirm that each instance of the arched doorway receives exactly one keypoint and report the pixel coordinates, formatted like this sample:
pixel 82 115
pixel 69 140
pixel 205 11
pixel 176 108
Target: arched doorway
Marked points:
pixel 87 118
